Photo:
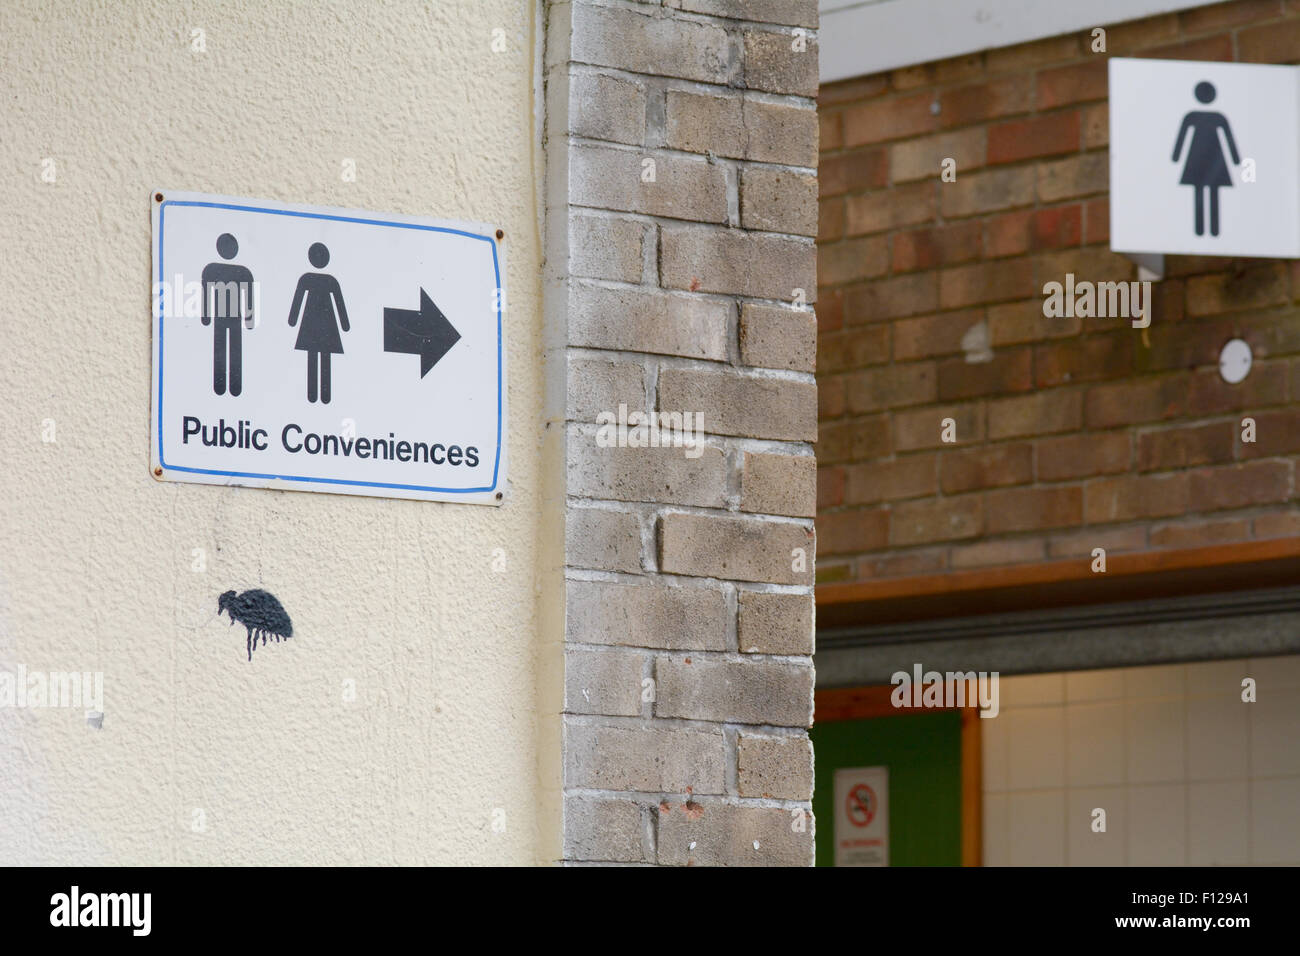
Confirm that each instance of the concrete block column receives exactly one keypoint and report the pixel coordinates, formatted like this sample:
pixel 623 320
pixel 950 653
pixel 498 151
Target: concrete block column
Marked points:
pixel 680 143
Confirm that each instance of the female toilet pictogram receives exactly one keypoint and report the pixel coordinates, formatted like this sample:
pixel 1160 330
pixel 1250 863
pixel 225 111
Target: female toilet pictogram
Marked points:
pixel 1205 167
pixel 318 301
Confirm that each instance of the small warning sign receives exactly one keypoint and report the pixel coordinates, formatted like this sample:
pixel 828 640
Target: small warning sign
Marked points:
pixel 861 805
pixel 862 816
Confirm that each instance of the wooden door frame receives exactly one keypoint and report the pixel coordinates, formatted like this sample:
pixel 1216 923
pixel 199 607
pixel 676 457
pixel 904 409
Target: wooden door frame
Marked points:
pixel 1142 575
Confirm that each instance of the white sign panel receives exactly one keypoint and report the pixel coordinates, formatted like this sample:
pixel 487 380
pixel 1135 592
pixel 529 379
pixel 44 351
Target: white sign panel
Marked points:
pixel 862 816
pixel 1204 158
pixel 324 349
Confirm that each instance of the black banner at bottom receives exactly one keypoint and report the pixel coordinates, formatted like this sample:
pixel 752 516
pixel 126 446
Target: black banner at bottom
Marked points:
pixel 300 905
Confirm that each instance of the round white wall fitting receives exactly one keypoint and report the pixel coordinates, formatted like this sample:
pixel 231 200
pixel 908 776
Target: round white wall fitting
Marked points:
pixel 1234 361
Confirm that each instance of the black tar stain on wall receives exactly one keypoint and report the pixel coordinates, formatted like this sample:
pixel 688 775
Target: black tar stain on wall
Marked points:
pixel 260 612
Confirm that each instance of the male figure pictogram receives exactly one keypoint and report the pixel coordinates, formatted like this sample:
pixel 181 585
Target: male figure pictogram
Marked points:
pixel 227 298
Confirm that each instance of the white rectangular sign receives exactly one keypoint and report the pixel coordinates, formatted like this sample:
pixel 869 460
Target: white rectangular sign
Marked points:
pixel 324 349
pixel 862 816
pixel 1204 158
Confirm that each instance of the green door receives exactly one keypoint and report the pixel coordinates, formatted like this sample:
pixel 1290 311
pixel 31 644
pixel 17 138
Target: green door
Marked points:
pixel 923 754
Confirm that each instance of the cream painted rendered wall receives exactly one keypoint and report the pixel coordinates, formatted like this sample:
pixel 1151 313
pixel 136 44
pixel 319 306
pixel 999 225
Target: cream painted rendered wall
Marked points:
pixel 96 556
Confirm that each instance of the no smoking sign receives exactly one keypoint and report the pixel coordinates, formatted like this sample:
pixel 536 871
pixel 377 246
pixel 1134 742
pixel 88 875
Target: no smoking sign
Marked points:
pixel 861 816
pixel 861 805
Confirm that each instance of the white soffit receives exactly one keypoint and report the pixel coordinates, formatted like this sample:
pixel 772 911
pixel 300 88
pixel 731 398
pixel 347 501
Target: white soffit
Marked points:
pixel 860 37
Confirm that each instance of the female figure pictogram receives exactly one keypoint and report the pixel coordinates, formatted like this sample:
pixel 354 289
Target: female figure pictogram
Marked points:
pixel 318 300
pixel 1205 167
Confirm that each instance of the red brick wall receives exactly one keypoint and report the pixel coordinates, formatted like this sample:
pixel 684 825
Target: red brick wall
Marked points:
pixel 1080 433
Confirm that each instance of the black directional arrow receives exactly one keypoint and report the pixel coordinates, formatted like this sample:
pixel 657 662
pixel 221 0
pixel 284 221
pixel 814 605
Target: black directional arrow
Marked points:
pixel 425 333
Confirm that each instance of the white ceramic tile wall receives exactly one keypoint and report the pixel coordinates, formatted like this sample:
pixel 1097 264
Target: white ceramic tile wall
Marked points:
pixel 1036 828
pixel 1186 771
pixel 1086 846
pixel 1214 815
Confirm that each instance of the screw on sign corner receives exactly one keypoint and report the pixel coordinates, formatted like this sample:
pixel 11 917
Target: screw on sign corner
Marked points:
pixel 500 496
pixel 158 197
pixel 157 472
pixel 501 233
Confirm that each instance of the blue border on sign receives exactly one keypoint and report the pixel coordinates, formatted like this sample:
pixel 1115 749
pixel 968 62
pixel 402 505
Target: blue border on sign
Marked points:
pixel 496 268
